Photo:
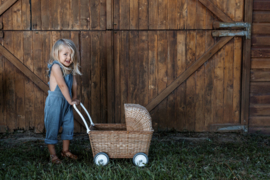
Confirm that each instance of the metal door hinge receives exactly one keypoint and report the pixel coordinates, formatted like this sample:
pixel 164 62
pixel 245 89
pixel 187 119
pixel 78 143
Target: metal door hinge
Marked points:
pixel 234 25
pixel 234 128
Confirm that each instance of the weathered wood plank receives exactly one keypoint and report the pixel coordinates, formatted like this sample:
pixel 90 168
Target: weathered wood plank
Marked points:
pixel 95 75
pixel 16 15
pixel 216 11
pixel 110 76
pixel 261 28
pixel 191 14
pixel 143 66
pixel 162 14
pixel 171 73
pixel 85 66
pixel 152 72
pixel 143 14
pixel 103 78
pixel 3 124
pixel 188 72
pixel 246 67
pixel 102 14
pixel 259 121
pixel 261 17
pixel 153 14
pixel 65 14
pixel 260 52
pixel 200 83
pixel 36 14
pixel 117 50
pixel 172 14
pixel 134 14
pixel 109 14
pixel 75 14
pixel 209 82
pixel 10 103
pixel 84 14
pixel 162 78
pixel 191 82
pixel 56 16
pixel 260 75
pixel 180 104
pixel 133 85
pixel 259 110
pixel 124 71
pixel 239 9
pixel 182 14
pixel 65 34
pixel 94 14
pixel 19 80
pixel 259 88
pixel 200 16
pixel 7 4
pixel 218 104
pixel 125 15
pixel 228 82
pixel 237 79
pixel 261 5
pixel 46 14
pixel 7 18
pixel 260 99
pixel 29 85
pixel 116 14
pixel 260 40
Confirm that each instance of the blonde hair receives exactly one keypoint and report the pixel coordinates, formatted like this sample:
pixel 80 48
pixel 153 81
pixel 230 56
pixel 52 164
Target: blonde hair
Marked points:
pixel 54 55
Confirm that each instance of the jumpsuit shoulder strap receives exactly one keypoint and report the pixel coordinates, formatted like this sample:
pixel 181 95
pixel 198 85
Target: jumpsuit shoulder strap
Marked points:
pixel 50 66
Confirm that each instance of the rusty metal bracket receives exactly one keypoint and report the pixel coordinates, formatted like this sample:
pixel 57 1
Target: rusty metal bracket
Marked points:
pixel 222 33
pixel 247 26
pixel 234 128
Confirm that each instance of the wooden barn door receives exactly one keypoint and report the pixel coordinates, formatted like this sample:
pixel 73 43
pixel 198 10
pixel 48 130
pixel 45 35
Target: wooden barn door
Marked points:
pixel 30 29
pixel 167 59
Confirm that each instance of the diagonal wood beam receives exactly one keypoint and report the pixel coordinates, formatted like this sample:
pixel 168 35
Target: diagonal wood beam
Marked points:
pixel 216 11
pixel 27 72
pixel 207 55
pixel 6 5
pixel 32 76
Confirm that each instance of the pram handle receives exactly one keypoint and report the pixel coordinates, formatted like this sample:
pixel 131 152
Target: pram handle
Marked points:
pixel 92 124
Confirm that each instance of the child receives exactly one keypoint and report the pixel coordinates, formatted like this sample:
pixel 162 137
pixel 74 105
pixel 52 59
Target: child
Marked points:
pixel 63 66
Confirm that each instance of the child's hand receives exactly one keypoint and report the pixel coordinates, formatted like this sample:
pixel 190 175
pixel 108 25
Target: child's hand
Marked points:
pixel 74 102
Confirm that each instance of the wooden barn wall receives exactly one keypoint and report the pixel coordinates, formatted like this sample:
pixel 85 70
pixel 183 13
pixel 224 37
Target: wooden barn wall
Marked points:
pixel 130 51
pixel 171 14
pixel 260 68
pixel 22 102
pixel 146 62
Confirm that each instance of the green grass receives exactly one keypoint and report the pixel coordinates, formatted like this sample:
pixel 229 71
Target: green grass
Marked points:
pixel 176 159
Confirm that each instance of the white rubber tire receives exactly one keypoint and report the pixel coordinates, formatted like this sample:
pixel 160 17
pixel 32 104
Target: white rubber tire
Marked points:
pixel 101 159
pixel 140 159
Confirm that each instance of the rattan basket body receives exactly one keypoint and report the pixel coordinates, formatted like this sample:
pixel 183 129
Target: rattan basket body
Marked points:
pixel 114 140
pixel 124 140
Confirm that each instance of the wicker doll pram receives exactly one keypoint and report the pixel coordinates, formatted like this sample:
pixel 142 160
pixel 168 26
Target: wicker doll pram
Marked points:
pixel 130 140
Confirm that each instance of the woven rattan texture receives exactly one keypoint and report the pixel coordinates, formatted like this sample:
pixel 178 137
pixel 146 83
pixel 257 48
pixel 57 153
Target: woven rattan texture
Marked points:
pixel 137 118
pixel 120 144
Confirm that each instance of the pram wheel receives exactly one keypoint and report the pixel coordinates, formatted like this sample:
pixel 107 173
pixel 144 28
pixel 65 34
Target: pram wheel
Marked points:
pixel 101 159
pixel 140 159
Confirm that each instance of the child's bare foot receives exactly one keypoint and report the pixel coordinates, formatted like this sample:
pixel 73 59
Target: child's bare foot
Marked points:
pixel 55 159
pixel 69 155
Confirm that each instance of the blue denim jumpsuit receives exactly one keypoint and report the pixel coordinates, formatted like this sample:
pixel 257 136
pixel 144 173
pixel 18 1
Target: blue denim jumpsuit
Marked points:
pixel 58 112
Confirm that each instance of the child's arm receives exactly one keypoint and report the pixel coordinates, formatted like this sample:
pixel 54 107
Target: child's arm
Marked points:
pixel 74 90
pixel 57 73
